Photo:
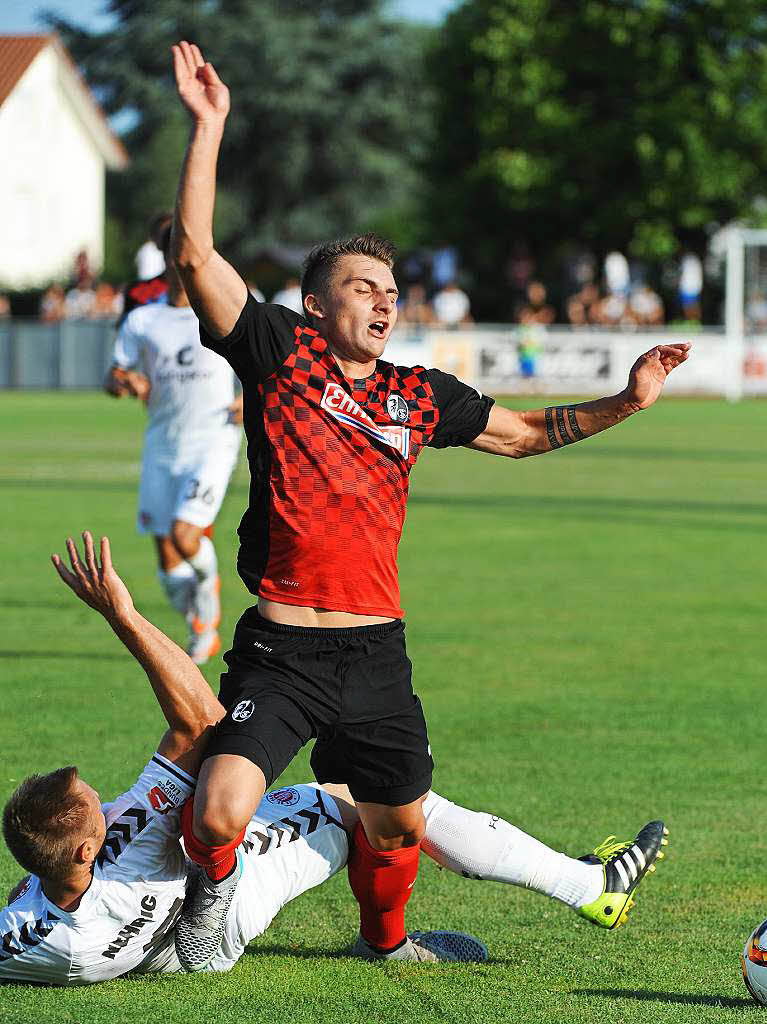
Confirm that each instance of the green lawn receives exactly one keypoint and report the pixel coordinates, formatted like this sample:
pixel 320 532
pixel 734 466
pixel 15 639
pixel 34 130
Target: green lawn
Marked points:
pixel 588 637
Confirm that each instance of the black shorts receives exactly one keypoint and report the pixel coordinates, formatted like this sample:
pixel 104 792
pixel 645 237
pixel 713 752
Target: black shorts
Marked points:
pixel 350 688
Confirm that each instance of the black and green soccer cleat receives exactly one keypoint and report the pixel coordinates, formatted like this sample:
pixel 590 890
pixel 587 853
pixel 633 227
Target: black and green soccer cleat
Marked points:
pixel 624 866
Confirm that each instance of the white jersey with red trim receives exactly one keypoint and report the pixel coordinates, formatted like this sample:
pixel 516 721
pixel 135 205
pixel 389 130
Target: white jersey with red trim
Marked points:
pixel 125 919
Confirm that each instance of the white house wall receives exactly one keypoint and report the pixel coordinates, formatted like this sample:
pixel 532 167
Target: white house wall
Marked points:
pixel 51 182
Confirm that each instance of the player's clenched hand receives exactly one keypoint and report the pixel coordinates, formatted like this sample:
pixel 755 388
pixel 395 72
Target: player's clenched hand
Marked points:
pixel 649 373
pixel 201 90
pixel 98 586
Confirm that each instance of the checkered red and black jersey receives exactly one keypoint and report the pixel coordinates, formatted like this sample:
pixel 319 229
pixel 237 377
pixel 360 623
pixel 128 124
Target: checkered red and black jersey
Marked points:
pixel 330 459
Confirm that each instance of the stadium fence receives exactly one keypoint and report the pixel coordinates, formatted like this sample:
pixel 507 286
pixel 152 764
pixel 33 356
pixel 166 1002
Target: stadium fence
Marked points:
pixel 498 359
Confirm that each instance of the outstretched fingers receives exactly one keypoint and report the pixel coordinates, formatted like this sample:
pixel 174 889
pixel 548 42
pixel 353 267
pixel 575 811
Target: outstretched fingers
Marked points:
pixel 69 578
pixel 90 554
pixel 106 555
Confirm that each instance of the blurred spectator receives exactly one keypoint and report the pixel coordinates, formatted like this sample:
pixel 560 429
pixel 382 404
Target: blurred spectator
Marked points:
pixel 617 274
pixel 690 286
pixel 536 310
pixel 290 296
pixel 518 271
pixel 5 307
pixel 150 261
pixel 53 304
pixel 646 306
pixel 415 309
pixel 581 269
pixel 451 306
pixel 254 290
pixel 444 266
pixel 613 311
pixel 80 300
pixel 82 274
pixel 583 307
pixel 107 301
pixel 529 348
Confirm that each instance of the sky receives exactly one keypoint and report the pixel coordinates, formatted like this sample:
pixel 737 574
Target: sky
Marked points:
pixel 20 18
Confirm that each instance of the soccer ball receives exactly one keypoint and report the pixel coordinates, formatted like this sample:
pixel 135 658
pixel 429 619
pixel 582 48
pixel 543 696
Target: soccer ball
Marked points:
pixel 754 963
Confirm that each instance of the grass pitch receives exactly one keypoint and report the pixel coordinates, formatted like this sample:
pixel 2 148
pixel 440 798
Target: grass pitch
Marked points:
pixel 588 640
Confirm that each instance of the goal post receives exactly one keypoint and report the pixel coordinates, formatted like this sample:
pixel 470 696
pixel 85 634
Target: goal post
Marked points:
pixel 745 304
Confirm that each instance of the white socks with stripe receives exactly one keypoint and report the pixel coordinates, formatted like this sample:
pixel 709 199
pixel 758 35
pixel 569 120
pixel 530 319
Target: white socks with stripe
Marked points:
pixel 479 845
pixel 179 584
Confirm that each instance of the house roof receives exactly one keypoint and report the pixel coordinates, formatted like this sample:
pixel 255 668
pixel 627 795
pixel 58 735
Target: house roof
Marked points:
pixel 16 55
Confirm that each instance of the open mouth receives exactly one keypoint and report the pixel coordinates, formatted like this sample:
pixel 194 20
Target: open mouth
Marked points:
pixel 378 327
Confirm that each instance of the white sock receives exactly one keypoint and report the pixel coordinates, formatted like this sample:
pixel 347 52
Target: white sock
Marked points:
pixel 483 846
pixel 179 584
pixel 204 562
pixel 206 605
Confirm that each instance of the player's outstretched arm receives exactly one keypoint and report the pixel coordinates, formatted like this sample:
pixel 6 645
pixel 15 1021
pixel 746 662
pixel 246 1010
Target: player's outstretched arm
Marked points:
pixel 182 692
pixel 215 289
pixel 518 434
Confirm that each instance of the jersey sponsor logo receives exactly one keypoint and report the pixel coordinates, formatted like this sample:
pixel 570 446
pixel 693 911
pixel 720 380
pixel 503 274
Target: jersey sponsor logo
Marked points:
pixel 285 797
pixel 288 830
pixel 185 356
pixel 127 932
pixel 342 407
pixel 165 796
pixel 397 408
pixel 120 833
pixel 243 711
pixel 31 934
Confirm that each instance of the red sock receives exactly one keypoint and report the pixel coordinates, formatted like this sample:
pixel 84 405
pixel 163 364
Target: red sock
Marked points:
pixel 218 861
pixel 381 882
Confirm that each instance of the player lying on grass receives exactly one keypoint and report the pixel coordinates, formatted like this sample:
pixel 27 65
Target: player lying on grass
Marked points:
pixel 191 445
pixel 107 881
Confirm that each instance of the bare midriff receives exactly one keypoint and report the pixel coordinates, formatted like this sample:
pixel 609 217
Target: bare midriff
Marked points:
pixel 323 618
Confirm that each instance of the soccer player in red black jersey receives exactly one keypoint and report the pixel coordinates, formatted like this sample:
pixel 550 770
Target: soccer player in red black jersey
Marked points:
pixel 333 432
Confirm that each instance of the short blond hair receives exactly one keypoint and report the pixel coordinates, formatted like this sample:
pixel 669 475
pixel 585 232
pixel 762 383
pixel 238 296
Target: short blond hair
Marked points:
pixel 45 821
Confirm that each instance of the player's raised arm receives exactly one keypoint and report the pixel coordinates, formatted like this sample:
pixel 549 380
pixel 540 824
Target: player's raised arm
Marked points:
pixel 182 692
pixel 517 434
pixel 216 291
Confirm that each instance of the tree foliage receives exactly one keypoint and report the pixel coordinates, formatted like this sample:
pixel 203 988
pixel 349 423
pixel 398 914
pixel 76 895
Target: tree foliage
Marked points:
pixel 614 123
pixel 322 138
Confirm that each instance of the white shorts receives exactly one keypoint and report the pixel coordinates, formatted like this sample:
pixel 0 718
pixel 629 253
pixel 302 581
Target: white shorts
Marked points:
pixel 191 490
pixel 294 841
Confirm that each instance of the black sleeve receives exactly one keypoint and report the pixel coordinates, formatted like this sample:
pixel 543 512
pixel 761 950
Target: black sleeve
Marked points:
pixel 463 411
pixel 260 341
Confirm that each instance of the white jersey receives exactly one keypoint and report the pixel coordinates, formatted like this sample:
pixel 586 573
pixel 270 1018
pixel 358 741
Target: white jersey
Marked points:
pixel 192 387
pixel 125 920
